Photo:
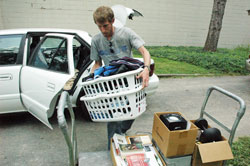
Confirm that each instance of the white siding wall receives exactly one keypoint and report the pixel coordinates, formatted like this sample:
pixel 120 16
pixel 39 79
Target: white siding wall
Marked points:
pixel 1 18
pixel 165 22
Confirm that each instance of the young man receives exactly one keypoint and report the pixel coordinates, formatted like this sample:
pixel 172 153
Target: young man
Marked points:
pixel 113 43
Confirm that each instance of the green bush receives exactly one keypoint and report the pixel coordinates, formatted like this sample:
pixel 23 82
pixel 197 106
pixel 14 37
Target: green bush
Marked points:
pixel 223 60
pixel 241 152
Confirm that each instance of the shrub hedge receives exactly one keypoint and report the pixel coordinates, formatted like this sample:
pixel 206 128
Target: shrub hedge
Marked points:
pixel 223 60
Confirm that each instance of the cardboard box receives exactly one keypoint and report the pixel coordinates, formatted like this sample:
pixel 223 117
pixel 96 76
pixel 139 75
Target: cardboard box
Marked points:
pixel 114 157
pixel 116 160
pixel 179 161
pixel 212 154
pixel 173 143
pixel 174 161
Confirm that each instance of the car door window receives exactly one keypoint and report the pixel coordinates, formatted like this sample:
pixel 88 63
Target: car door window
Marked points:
pixel 51 55
pixel 9 48
pixel 76 52
pixel 81 54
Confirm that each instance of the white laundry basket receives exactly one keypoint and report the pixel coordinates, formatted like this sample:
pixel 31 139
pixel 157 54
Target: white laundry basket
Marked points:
pixel 115 98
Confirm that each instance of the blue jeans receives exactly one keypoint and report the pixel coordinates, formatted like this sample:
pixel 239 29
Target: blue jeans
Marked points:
pixel 118 127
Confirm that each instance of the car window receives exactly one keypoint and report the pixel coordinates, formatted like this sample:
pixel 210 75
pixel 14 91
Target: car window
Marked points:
pixel 33 42
pixel 76 51
pixel 9 48
pixel 81 54
pixel 51 55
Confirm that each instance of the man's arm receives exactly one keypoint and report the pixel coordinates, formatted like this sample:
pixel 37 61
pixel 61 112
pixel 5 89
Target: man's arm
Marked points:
pixel 147 60
pixel 96 65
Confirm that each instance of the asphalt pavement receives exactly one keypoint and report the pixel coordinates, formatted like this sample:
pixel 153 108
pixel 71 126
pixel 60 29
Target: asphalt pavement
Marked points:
pixel 24 141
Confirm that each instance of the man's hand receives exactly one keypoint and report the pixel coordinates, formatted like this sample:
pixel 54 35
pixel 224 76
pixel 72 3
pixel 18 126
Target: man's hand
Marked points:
pixel 145 73
pixel 145 77
pixel 96 66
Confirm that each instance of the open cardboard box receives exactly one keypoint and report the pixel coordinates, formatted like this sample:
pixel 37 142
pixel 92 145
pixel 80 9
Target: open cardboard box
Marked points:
pixel 174 143
pixel 116 160
pixel 212 154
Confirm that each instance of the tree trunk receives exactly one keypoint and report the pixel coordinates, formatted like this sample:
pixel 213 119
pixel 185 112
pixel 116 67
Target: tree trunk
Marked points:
pixel 215 25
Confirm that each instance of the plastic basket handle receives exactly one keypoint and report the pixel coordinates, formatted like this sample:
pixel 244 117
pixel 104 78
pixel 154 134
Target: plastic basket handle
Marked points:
pixel 101 96
pixel 112 76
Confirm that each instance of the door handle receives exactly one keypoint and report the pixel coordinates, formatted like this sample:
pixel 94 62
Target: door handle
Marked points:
pixel 5 77
pixel 51 87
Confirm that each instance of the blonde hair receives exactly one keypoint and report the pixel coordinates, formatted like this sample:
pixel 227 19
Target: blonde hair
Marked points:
pixel 103 14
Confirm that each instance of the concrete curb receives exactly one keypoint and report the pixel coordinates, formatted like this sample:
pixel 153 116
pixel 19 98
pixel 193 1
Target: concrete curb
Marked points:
pixel 182 75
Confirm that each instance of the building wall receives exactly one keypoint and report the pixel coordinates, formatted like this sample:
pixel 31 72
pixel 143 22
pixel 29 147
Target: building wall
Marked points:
pixel 1 18
pixel 165 22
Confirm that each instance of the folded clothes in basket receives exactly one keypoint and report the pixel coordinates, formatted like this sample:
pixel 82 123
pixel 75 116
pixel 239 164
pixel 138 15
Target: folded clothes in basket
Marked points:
pixel 105 71
pixel 120 65
pixel 131 63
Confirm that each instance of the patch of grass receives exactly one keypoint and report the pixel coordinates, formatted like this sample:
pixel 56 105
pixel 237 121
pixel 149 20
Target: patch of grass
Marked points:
pixel 166 66
pixel 241 152
pixel 223 61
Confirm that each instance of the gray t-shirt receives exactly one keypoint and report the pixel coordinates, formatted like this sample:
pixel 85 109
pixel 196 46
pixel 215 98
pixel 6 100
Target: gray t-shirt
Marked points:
pixel 120 45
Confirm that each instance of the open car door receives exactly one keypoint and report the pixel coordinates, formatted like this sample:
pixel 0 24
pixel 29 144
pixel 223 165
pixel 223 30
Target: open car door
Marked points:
pixel 43 78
